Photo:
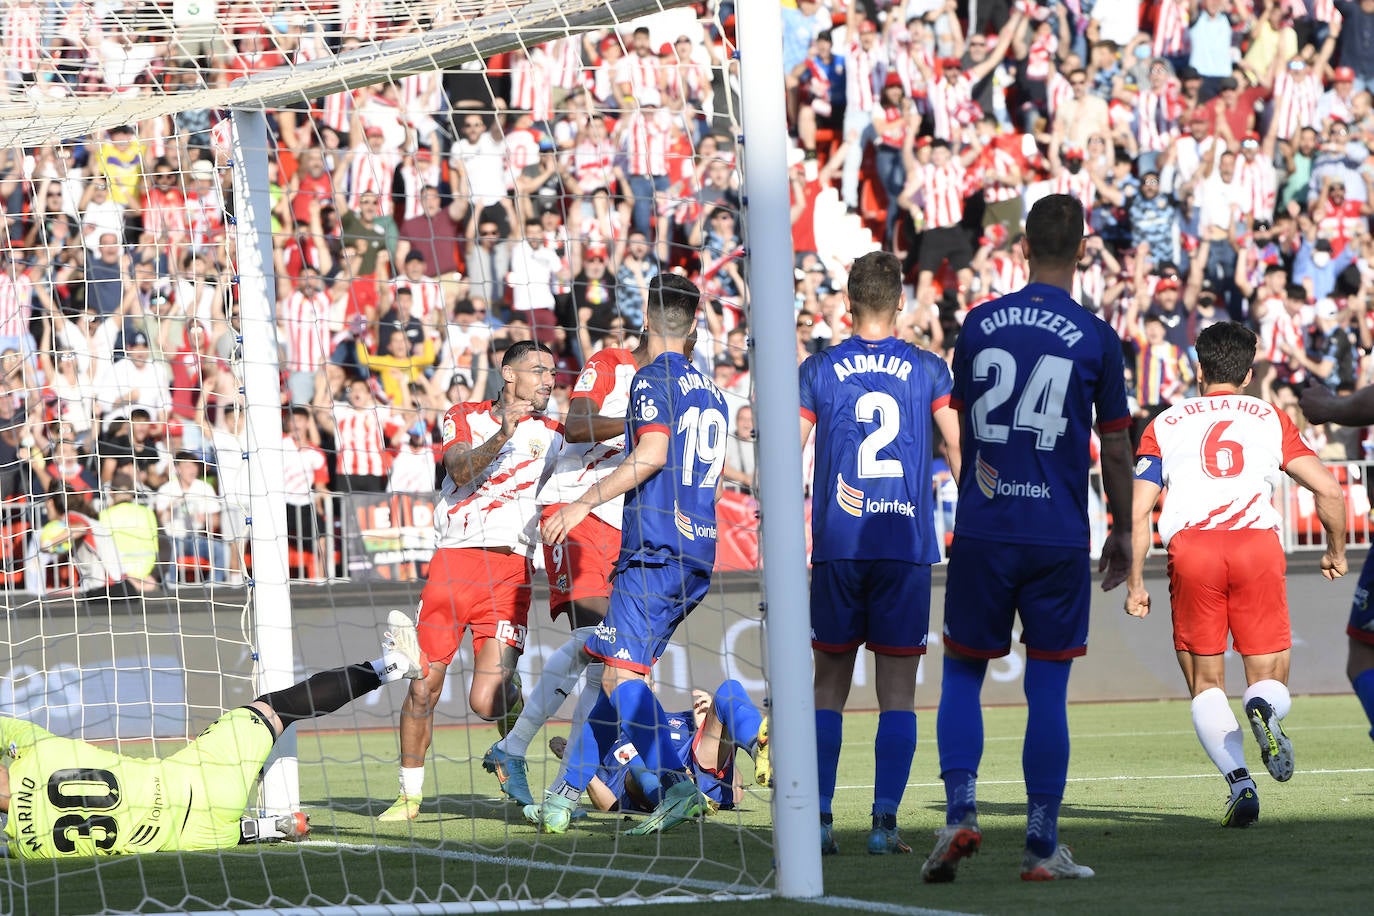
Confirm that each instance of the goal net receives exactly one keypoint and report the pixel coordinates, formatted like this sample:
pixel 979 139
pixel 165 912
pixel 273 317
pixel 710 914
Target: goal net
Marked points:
pixel 227 346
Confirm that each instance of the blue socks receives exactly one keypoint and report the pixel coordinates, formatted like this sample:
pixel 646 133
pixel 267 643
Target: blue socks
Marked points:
pixel 1045 755
pixel 893 748
pixel 738 714
pixel 1364 689
pixel 587 748
pixel 959 731
pixel 829 733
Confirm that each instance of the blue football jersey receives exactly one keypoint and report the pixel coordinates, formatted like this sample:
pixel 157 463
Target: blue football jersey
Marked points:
pixel 1029 371
pixel 673 513
pixel 872 492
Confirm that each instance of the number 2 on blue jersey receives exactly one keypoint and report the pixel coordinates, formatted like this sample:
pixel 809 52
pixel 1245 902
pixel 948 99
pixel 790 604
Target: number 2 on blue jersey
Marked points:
pixel 1039 409
pixel 880 407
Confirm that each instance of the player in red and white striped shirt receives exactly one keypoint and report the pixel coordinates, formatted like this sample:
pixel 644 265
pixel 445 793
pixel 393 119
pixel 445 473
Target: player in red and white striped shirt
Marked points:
pixel 370 169
pixel 1171 37
pixel 1297 89
pixel 304 321
pixel 644 136
pixel 637 73
pixel 531 85
pixel 361 429
pixel 1257 178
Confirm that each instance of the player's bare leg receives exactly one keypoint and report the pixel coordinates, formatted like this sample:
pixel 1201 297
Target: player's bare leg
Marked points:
pixel 894 747
pixel 495 692
pixel 416 733
pixel 834 677
pixel 1219 732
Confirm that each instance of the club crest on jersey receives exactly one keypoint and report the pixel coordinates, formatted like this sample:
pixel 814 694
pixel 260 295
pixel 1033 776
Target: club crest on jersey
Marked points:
pixel 587 380
pixel 991 484
pixel 536 450
pixel 848 498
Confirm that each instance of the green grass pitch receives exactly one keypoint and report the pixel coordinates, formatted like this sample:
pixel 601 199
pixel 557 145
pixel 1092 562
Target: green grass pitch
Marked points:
pixel 1141 808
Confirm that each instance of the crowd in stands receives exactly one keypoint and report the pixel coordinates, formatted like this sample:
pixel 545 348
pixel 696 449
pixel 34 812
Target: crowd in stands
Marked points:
pixel 420 226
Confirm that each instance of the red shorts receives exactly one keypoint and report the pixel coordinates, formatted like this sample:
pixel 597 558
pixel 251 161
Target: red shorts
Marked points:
pixel 581 566
pixel 1220 580
pixel 486 591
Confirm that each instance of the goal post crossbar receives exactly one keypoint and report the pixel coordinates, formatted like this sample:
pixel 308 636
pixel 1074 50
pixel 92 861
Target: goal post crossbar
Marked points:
pixel 30 123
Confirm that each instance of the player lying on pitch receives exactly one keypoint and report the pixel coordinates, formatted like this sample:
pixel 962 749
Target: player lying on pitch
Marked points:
pixel 705 738
pixel 68 798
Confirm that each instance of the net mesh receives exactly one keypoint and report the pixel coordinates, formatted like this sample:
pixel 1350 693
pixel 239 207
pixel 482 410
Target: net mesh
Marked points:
pixel 417 153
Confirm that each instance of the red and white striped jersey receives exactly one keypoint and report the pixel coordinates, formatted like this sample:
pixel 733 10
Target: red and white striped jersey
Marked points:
pixel 426 297
pixel 1331 106
pixel 1275 328
pixel 23 43
pixel 204 217
pixel 164 217
pixel 862 72
pixel 421 93
pixel 946 97
pixel 641 72
pixel 592 164
pixel 1339 224
pixel 360 437
pixel 522 151
pixel 1090 285
pixel 414 179
pixel 1040 57
pixel 303 467
pixel 1009 274
pixel 531 86
pixel 360 18
pixel 1058 93
pixel 564 61
pixel 943 191
pixel 645 141
pixel 304 321
pixel 1220 458
pixel 1171 29
pixel 994 160
pixel 1156 120
pixel 1295 102
pixel 1259 187
pixel 337 111
pixel 605 380
pixel 16 304
pixel 372 173
pixel 498 508
pixel 1080 186
pixel 909 70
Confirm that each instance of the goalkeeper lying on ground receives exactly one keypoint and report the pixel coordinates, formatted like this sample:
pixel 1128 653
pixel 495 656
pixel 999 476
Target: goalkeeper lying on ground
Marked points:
pixel 70 798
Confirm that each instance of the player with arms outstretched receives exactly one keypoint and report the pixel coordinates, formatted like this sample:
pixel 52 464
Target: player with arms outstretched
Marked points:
pixel 496 455
pixel 1030 371
pixel 1319 405
pixel 677 427
pixel 67 798
pixel 1219 456
pixel 579 569
pixel 871 401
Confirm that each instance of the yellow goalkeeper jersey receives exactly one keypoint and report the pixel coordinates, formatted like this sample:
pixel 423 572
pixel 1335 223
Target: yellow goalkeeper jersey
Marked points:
pixel 70 798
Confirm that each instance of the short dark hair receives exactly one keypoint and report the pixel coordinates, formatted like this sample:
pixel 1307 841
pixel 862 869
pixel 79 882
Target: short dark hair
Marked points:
pixel 520 349
pixel 1054 229
pixel 672 305
pixel 875 283
pixel 1295 291
pixel 1225 352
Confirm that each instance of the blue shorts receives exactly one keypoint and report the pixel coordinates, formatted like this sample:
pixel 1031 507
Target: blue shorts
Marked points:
pixel 884 603
pixel 990 582
pixel 648 601
pixel 1361 625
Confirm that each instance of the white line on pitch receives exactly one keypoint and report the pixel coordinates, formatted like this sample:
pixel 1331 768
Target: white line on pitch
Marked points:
pixel 873 906
pixel 1118 778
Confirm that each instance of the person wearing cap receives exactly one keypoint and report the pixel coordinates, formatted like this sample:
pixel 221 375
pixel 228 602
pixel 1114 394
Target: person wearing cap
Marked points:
pixel 950 88
pixel 1339 100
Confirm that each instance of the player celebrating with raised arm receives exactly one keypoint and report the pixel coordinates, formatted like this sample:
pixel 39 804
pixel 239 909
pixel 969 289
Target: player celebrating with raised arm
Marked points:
pixel 579 569
pixel 1219 456
pixel 1030 370
pixel 677 427
pixel 871 400
pixel 495 457
pixel 67 798
pixel 1319 405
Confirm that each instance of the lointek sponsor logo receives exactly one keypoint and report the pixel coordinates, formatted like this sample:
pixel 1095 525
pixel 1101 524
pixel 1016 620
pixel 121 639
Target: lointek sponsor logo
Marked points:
pixel 852 501
pixel 991 484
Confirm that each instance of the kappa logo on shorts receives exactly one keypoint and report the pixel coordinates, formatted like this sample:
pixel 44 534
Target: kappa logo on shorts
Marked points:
pixel 604 633
pixel 511 633
pixel 623 655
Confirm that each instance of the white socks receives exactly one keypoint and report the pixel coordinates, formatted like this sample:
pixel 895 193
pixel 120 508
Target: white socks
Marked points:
pixel 1219 732
pixel 1275 693
pixel 392 666
pixel 556 683
pixel 412 781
